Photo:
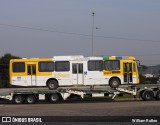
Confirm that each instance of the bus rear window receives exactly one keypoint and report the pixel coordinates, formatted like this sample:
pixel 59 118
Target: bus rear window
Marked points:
pixel 112 65
pixel 18 67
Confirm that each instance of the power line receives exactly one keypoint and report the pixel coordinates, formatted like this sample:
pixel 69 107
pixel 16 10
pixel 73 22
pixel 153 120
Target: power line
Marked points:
pixel 148 55
pixel 132 54
pixel 79 34
pixel 40 29
pixel 132 39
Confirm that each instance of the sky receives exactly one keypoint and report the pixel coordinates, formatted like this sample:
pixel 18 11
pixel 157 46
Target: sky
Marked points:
pixel 47 28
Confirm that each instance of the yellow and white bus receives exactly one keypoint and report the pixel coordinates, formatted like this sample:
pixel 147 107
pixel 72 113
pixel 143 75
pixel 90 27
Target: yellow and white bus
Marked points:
pixel 74 70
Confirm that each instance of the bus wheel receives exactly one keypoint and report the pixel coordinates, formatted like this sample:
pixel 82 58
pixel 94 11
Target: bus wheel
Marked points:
pixel 52 84
pixel 54 97
pixel 114 83
pixel 18 99
pixel 148 95
pixel 158 95
pixel 31 99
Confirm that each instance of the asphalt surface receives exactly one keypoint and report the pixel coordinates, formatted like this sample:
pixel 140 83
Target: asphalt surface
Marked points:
pixel 97 107
pixel 92 111
pixel 116 109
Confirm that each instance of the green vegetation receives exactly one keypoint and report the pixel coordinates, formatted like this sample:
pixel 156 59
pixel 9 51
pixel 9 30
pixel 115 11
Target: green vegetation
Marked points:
pixel 4 69
pixel 143 68
pixel 142 79
pixel 149 80
pixel 153 70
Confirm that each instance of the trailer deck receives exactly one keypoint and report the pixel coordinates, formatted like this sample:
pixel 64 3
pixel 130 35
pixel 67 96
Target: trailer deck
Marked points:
pixel 31 95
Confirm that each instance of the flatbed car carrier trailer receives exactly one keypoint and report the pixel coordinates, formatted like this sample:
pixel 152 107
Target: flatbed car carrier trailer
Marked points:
pixel 30 96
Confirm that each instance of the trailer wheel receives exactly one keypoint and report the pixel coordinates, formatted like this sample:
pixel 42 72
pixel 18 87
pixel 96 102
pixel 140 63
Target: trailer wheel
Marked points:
pixel 158 95
pixel 54 97
pixel 148 95
pixel 141 94
pixel 114 83
pixel 18 99
pixel 52 84
pixel 31 99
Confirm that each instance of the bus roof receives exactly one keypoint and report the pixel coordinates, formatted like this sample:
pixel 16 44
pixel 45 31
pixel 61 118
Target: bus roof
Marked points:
pixel 75 57
pixel 31 59
pixel 118 57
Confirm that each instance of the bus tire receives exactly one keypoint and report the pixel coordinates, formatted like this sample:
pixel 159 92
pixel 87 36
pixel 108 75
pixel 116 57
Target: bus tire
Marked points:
pixel 54 97
pixel 114 83
pixel 52 84
pixel 148 95
pixel 31 99
pixel 158 95
pixel 18 99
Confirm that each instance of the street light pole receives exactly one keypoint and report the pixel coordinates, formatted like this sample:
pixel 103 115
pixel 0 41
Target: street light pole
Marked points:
pixel 92 31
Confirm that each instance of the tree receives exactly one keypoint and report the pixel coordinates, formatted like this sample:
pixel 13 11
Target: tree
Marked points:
pixel 143 68
pixel 152 80
pixel 142 79
pixel 4 69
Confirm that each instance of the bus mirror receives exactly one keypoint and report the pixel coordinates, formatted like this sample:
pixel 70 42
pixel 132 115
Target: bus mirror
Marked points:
pixel 138 63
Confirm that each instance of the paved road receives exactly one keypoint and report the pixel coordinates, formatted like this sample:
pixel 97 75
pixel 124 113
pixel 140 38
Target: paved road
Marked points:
pixel 98 107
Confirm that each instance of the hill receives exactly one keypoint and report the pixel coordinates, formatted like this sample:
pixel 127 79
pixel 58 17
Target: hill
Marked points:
pixel 150 70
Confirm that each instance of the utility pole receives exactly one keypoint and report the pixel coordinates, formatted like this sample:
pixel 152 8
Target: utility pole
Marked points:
pixel 92 31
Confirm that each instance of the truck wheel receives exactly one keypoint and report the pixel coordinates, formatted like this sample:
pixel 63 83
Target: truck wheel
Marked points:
pixel 54 97
pixel 148 95
pixel 31 99
pixel 18 99
pixel 114 83
pixel 158 95
pixel 52 84
pixel 141 94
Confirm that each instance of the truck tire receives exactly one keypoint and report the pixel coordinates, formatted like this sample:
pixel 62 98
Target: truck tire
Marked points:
pixel 141 94
pixel 54 97
pixel 52 84
pixel 18 99
pixel 114 83
pixel 148 95
pixel 31 99
pixel 158 95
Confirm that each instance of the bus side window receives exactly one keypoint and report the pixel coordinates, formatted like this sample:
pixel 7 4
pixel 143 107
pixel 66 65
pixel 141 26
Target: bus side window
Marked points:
pixel 134 67
pixel 62 66
pixel 46 66
pixel 74 68
pixel 130 67
pixel 34 70
pixel 125 67
pixel 112 65
pixel 95 65
pixel 18 67
pixel 29 70
pixel 80 68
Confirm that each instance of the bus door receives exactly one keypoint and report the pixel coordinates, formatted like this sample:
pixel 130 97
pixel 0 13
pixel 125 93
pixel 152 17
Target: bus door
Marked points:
pixel 128 72
pixel 31 72
pixel 77 73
